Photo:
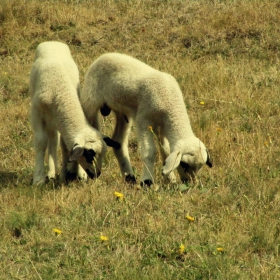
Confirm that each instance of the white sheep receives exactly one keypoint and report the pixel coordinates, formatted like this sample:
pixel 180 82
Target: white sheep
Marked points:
pixel 56 109
pixel 154 101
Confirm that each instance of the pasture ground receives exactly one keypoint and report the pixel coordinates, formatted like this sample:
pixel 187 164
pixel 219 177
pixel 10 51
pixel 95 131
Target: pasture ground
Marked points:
pixel 225 56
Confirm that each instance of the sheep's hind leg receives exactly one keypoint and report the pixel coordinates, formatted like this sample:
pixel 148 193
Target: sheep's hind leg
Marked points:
pixel 120 135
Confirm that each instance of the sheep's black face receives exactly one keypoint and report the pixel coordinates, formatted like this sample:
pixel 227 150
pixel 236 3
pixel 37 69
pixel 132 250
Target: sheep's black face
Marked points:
pixel 187 172
pixel 89 162
pixel 91 175
pixel 89 155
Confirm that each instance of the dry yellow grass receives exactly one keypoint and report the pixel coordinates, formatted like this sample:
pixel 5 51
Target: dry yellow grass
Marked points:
pixel 225 56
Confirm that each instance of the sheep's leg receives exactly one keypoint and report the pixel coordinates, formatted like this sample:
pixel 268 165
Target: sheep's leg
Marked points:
pixel 52 154
pixel 64 153
pixel 40 146
pixel 165 151
pixel 121 134
pixel 148 154
pixel 93 118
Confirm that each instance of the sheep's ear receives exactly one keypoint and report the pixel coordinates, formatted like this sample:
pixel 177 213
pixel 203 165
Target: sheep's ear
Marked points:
pixel 111 143
pixel 76 152
pixel 171 162
pixel 208 161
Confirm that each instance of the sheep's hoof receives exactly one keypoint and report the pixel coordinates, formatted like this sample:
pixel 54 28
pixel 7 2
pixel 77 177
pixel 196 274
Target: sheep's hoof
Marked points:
pixel 49 179
pixel 146 183
pixel 52 180
pixel 149 185
pixel 130 179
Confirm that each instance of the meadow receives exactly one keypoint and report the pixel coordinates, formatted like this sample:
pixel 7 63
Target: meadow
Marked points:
pixel 225 57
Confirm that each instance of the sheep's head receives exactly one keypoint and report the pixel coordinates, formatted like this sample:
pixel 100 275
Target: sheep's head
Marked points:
pixel 188 161
pixel 90 155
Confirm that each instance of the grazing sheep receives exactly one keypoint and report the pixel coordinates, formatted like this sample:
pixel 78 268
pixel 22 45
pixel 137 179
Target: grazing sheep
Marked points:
pixel 56 109
pixel 153 100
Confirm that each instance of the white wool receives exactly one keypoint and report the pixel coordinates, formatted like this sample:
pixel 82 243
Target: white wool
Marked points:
pixel 55 109
pixel 150 98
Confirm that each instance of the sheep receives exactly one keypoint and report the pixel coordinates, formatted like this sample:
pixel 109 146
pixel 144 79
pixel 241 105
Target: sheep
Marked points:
pixel 152 100
pixel 56 110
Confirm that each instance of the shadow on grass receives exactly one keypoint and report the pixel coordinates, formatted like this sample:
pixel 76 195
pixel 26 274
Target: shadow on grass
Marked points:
pixel 15 179
pixel 8 178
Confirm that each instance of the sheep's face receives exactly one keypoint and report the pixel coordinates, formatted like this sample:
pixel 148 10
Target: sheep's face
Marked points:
pixel 189 165
pixel 187 162
pixel 192 161
pixel 90 157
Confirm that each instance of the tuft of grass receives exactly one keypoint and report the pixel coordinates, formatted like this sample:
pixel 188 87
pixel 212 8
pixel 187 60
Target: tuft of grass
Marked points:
pixel 224 54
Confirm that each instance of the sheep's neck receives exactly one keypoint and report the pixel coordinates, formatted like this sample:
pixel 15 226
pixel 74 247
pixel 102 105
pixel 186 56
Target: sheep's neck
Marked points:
pixel 177 127
pixel 71 121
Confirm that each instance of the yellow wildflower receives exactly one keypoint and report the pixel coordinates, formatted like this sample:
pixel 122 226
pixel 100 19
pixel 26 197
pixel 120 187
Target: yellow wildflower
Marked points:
pixel 220 249
pixel 201 103
pixel 190 218
pixel 104 238
pixel 150 128
pixel 119 195
pixel 181 249
pixel 219 129
pixel 57 231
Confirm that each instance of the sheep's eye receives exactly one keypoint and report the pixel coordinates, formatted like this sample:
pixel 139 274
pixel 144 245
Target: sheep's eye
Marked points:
pixel 185 166
pixel 89 155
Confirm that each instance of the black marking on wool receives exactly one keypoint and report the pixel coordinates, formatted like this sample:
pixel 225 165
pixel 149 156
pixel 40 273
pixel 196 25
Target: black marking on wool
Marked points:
pixel 112 143
pixel 126 119
pixel 105 110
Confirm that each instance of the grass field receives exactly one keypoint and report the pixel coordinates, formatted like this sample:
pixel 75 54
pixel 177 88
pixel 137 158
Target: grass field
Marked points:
pixel 225 56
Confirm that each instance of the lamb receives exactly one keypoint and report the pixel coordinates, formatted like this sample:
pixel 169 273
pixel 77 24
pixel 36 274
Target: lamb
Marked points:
pixel 152 100
pixel 56 109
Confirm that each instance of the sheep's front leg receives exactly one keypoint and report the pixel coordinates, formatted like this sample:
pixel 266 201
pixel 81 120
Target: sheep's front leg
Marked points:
pixel 121 134
pixel 40 146
pixel 52 154
pixel 165 151
pixel 148 154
